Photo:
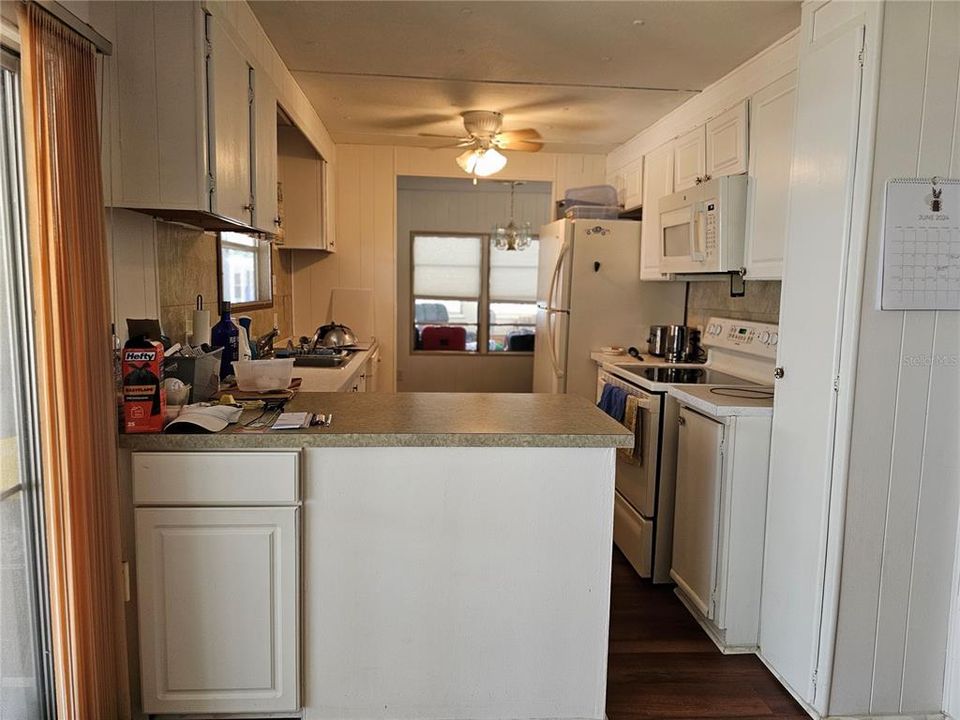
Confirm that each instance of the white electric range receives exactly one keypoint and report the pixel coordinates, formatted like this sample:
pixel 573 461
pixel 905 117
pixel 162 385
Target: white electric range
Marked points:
pixel 740 354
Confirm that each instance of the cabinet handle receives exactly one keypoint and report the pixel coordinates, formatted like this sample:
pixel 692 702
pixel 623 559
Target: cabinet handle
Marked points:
pixel 248 208
pixel 681 421
pixel 778 373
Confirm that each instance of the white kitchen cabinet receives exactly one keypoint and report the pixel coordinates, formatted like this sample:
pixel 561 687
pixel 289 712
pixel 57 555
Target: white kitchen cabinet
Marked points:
pixel 811 399
pixel 726 142
pixel 160 151
pixel 218 609
pixel 771 153
pixel 658 170
pixel 633 184
pixel 696 524
pixel 265 211
pixel 721 491
pixel 185 146
pixel 230 111
pixel 303 177
pixel 616 181
pixel 690 159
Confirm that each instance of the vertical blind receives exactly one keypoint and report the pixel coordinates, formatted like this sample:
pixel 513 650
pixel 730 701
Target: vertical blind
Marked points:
pixel 78 414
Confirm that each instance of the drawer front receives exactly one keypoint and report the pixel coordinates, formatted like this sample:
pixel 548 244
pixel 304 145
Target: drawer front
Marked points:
pixel 216 478
pixel 633 534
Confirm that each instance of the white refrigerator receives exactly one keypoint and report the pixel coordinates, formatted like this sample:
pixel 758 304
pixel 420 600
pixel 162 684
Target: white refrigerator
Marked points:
pixel 589 295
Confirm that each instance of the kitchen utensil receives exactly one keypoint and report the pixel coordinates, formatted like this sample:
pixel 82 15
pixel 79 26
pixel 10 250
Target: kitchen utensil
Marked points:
pixel 676 349
pixel 334 335
pixel 201 325
pixel 263 375
pixel 657 341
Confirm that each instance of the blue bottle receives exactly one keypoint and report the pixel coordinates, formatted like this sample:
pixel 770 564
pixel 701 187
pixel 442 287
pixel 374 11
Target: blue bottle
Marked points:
pixel 225 335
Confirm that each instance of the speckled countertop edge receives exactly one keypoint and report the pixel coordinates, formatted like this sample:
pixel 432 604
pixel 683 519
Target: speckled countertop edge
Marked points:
pixel 287 439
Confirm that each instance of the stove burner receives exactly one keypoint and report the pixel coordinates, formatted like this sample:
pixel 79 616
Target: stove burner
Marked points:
pixel 684 375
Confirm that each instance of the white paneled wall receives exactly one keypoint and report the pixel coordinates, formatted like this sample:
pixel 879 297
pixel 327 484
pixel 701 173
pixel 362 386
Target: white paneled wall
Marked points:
pixel 446 205
pixel 904 486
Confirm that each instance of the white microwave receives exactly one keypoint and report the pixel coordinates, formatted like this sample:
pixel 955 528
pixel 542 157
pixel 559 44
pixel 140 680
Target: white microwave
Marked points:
pixel 702 229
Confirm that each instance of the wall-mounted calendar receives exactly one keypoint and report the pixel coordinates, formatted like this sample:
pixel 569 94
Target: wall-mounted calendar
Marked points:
pixel 921 245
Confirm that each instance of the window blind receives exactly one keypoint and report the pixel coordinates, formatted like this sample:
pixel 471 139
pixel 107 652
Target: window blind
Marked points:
pixel 447 266
pixel 513 275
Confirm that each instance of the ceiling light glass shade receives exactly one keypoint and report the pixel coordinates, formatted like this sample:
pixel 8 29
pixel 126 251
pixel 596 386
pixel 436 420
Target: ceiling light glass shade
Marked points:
pixel 481 162
pixel 512 236
pixel 490 161
pixel 467 161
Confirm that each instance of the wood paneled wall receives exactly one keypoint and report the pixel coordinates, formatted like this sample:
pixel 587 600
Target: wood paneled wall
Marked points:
pixel 366 227
pixel 904 493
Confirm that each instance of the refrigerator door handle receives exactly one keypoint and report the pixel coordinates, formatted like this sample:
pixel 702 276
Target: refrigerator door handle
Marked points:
pixel 555 279
pixel 557 370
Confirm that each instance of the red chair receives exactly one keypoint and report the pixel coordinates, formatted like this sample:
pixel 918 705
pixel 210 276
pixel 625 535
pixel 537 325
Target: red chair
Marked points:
pixel 444 337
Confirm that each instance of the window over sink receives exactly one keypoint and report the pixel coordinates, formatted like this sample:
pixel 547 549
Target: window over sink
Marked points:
pixel 246 271
pixel 470 297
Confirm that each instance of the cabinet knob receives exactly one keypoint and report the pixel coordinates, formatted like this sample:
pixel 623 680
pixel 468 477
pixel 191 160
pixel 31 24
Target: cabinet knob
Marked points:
pixel 778 373
pixel 248 208
pixel 681 421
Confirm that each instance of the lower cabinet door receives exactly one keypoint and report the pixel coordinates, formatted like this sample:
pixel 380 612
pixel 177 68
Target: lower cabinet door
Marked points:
pixel 696 521
pixel 218 609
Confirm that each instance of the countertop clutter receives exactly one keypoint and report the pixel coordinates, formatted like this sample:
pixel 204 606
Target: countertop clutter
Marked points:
pixel 417 420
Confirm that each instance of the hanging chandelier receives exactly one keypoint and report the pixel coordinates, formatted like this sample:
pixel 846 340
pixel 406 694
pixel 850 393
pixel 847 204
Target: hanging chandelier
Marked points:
pixel 512 236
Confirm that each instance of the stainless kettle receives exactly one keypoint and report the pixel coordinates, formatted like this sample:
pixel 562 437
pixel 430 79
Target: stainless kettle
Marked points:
pixel 657 341
pixel 334 335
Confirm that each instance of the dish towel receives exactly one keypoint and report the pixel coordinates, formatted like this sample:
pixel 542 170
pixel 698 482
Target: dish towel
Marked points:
pixel 613 401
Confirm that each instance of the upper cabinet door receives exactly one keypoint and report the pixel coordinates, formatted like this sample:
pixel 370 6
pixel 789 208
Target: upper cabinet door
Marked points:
pixel 727 142
pixel 690 159
pixel 771 151
pixel 230 108
pixel 633 184
pixel 265 212
pixel 657 182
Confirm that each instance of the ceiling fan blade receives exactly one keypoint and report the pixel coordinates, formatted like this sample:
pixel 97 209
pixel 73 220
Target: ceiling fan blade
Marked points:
pixel 521 146
pixel 522 134
pixel 451 145
pixel 460 138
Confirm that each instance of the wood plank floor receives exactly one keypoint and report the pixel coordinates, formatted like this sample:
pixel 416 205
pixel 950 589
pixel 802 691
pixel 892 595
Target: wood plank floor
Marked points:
pixel 662 664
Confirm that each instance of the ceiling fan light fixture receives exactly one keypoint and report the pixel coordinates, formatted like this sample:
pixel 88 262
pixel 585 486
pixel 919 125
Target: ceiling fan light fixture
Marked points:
pixel 481 162
pixel 489 162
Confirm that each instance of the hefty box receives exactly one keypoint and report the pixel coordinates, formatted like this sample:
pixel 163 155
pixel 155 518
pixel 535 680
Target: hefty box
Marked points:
pixel 144 399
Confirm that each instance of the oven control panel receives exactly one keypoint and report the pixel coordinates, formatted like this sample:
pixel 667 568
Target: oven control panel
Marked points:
pixel 744 336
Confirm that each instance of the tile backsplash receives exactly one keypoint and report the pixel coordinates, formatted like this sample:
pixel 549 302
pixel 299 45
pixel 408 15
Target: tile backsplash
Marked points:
pixel 707 299
pixel 187 262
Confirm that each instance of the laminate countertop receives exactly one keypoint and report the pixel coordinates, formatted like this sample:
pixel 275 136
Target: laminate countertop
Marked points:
pixel 418 420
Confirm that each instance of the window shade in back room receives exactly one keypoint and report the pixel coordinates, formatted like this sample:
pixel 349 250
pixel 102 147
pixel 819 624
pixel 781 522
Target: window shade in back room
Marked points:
pixel 513 275
pixel 447 266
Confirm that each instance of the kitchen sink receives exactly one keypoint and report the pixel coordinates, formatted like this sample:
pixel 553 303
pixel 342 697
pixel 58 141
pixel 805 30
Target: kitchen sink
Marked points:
pixel 325 361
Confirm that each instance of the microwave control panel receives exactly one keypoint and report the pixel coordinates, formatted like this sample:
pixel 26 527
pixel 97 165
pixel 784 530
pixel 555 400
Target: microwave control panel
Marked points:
pixel 752 338
pixel 710 228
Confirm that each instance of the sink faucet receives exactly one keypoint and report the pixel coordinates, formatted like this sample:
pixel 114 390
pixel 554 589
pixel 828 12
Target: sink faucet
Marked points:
pixel 265 344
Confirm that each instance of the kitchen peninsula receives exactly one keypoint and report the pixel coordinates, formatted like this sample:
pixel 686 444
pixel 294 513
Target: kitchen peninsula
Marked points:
pixel 435 556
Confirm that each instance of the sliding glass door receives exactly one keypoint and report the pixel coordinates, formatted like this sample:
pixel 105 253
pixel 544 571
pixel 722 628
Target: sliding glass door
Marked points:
pixel 26 678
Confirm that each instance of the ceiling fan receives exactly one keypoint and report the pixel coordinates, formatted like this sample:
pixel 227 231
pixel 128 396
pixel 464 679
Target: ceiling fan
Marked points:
pixel 485 139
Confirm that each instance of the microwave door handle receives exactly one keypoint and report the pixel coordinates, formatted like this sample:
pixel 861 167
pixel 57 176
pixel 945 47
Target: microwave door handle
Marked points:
pixel 697 253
